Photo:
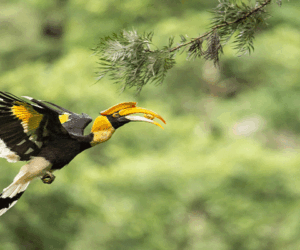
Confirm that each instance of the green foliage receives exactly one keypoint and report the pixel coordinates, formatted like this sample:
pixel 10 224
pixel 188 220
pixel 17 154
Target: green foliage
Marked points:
pixel 223 175
pixel 127 57
pixel 241 20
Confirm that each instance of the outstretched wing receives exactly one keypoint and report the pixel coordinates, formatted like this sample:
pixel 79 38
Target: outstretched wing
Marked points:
pixel 25 126
pixel 72 122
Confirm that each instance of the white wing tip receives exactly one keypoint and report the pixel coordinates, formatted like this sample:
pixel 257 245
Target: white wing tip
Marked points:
pixel 27 97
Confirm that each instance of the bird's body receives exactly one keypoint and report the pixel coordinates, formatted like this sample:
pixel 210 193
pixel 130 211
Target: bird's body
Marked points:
pixel 52 151
pixel 49 137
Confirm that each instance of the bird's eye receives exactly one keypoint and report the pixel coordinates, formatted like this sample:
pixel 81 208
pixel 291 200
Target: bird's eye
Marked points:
pixel 116 115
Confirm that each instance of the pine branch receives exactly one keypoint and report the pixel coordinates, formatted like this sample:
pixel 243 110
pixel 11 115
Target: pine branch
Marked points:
pixel 219 26
pixel 129 58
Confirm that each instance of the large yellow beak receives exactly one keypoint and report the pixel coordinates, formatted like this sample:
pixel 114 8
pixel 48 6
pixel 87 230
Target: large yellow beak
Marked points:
pixel 148 117
pixel 126 109
pixel 118 107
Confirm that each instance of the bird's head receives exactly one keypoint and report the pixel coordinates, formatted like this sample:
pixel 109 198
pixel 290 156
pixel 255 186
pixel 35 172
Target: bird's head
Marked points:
pixel 118 115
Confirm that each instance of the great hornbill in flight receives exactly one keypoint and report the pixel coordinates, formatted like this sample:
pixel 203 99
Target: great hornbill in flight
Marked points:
pixel 49 137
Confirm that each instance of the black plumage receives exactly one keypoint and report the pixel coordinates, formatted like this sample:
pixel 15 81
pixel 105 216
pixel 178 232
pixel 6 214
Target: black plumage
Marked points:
pixel 49 137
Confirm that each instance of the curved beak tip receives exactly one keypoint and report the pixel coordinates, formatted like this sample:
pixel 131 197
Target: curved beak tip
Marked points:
pixel 160 126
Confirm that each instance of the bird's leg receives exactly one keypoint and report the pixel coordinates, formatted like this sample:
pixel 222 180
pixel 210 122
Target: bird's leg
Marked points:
pixel 48 178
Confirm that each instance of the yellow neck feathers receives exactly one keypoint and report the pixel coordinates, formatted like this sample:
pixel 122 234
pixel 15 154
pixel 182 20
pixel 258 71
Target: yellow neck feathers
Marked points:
pixel 102 130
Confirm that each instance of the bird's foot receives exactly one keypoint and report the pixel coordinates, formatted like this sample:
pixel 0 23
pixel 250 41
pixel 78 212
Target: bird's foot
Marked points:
pixel 48 178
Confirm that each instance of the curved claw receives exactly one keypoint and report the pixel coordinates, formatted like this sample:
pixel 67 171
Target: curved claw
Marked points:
pixel 48 178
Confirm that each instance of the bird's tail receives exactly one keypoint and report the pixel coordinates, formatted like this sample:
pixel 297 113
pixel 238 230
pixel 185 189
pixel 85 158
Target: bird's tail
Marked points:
pixel 37 167
pixel 11 194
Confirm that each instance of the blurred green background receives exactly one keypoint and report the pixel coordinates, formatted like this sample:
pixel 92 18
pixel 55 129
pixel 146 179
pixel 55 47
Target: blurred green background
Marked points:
pixel 223 175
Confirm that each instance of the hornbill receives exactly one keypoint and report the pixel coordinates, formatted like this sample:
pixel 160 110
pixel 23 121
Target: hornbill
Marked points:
pixel 49 137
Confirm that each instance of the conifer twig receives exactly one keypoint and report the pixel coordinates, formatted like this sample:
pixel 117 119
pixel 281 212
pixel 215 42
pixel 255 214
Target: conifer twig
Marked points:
pixel 221 25
pixel 129 57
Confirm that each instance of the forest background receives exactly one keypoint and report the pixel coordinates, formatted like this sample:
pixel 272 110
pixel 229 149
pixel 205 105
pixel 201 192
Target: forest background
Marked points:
pixel 223 175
